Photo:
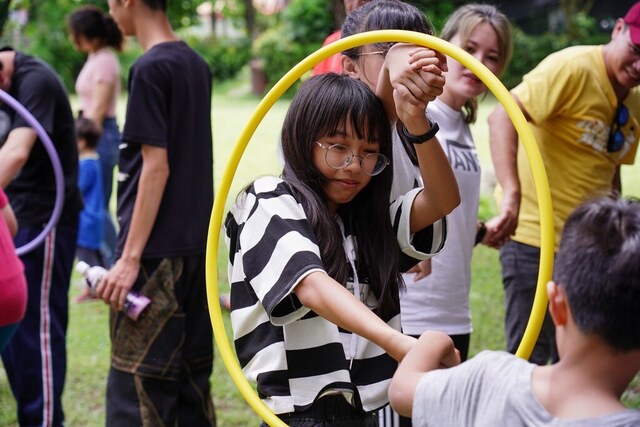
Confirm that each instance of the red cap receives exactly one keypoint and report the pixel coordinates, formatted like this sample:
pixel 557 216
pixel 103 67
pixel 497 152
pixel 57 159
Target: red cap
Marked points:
pixel 632 19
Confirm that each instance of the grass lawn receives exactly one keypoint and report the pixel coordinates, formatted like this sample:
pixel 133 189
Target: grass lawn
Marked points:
pixel 88 341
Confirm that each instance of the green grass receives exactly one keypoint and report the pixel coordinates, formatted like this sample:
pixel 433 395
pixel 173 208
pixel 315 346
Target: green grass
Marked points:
pixel 88 341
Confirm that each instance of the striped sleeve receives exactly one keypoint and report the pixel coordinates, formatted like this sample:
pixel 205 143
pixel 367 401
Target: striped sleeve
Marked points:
pixel 276 246
pixel 426 242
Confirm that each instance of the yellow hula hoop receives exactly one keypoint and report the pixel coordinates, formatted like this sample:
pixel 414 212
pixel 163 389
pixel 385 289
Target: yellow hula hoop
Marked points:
pixel 492 83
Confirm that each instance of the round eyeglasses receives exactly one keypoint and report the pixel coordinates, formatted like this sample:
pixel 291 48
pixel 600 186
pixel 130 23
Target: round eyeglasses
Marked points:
pixel 616 137
pixel 338 156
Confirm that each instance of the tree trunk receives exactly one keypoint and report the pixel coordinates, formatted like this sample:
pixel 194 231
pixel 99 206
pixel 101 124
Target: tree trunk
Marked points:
pixel 250 18
pixel 4 14
pixel 338 13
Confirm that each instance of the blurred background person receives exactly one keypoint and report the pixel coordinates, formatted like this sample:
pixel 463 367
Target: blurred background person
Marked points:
pixel 13 284
pixel 95 33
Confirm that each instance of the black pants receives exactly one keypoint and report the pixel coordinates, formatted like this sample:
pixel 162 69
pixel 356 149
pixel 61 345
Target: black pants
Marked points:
pixel 520 264
pixel 330 411
pixel 161 363
pixel 36 357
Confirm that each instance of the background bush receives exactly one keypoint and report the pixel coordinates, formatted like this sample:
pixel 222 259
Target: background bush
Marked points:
pixel 303 27
pixel 304 24
pixel 225 56
pixel 529 50
pixel 281 41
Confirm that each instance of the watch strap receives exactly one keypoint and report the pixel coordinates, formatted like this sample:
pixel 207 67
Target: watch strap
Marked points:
pixel 420 139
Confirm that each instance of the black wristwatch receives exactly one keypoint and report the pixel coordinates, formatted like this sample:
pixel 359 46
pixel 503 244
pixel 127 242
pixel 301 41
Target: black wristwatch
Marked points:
pixel 482 231
pixel 420 139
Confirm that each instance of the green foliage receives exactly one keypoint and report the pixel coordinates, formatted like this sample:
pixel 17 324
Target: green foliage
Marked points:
pixel 182 13
pixel 308 21
pixel 300 32
pixel 437 12
pixel 530 50
pixel 45 36
pixel 487 207
pixel 225 56
pixel 582 26
pixel 278 53
pixel 52 46
pixel 4 13
pixel 631 397
pixel 130 53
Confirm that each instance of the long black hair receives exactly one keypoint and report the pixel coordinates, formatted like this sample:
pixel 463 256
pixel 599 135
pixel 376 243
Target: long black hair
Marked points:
pixel 323 106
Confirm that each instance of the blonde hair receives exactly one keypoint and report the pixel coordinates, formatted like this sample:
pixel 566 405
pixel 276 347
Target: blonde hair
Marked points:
pixel 463 21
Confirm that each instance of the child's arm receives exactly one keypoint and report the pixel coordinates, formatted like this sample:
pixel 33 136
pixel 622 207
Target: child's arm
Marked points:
pixel 402 71
pixel 434 350
pixel 331 300
pixel 410 78
pixel 412 90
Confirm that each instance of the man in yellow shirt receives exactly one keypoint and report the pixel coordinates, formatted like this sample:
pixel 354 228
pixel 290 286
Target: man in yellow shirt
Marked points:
pixel 584 107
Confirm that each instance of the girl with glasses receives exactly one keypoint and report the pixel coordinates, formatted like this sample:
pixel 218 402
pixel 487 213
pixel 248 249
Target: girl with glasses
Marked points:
pixel 314 254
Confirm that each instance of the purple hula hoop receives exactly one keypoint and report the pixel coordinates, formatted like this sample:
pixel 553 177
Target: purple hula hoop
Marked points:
pixel 57 171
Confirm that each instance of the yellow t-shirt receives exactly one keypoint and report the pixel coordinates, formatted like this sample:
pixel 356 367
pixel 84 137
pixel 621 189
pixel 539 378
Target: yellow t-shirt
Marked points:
pixel 572 105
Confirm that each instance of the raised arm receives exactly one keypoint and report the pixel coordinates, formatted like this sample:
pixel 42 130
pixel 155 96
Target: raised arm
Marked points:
pixel 331 300
pixel 503 140
pixel 414 85
pixel 400 69
pixel 440 194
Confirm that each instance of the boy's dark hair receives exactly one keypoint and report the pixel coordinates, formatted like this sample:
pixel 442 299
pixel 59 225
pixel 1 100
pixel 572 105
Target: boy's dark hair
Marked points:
pixel 384 15
pixel 598 265
pixel 324 106
pixel 88 130
pixel 91 22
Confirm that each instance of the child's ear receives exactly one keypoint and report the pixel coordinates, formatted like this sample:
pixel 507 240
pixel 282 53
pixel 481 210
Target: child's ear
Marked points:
pixel 349 67
pixel 558 304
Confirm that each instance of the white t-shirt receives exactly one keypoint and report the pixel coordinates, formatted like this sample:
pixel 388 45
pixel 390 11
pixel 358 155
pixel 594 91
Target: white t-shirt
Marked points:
pixel 440 301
